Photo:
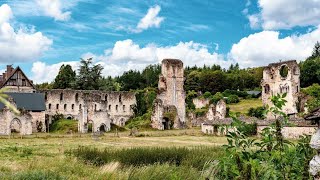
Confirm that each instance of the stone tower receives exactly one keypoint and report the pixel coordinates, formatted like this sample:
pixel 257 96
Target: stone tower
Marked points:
pixel 280 78
pixel 169 106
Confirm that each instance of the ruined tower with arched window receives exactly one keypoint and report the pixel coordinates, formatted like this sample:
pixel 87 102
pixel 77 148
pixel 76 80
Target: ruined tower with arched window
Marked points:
pixel 279 78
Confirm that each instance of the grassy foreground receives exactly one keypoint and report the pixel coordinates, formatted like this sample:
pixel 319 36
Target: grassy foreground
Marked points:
pixel 42 156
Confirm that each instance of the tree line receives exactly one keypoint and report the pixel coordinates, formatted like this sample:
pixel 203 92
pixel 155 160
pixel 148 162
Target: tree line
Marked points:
pixel 211 79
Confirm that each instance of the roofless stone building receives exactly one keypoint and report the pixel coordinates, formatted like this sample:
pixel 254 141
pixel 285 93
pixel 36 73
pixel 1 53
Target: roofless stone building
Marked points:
pixel 169 106
pixel 279 78
pixel 98 108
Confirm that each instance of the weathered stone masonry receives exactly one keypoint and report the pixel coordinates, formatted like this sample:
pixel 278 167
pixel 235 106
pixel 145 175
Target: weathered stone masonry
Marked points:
pixel 274 82
pixel 97 107
pixel 171 96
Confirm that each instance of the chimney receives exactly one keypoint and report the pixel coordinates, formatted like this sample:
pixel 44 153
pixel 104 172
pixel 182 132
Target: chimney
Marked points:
pixel 9 70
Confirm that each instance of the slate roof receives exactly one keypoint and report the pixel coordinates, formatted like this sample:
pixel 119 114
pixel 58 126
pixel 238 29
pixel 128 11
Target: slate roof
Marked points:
pixel 314 115
pixel 28 101
pixel 254 92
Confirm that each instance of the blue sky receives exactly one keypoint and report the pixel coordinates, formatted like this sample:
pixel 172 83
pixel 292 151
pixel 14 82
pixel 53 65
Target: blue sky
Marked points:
pixel 41 35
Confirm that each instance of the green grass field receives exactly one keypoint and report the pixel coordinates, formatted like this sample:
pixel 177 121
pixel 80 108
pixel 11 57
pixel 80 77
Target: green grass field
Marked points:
pixel 41 156
pixel 245 104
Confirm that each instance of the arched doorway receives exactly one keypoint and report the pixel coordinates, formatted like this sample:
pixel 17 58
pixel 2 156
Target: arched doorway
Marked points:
pixel 15 126
pixel 102 128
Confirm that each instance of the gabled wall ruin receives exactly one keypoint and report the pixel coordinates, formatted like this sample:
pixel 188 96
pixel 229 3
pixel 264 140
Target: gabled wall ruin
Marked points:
pixel 280 78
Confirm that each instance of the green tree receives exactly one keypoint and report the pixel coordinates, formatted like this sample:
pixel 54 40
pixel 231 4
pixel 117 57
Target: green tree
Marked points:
pixel 151 75
pixel 108 84
pixel 89 76
pixel 316 50
pixel 65 78
pixel 310 71
pixel 131 80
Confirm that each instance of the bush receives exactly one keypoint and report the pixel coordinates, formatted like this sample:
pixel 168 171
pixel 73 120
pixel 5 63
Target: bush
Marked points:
pixel 233 99
pixel 201 112
pixel 257 112
pixel 207 95
pixel 215 98
pixel 228 93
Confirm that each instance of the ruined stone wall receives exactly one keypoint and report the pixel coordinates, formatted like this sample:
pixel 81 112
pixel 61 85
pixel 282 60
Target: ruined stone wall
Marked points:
pixel 38 117
pixel 293 132
pixel 9 120
pixel 217 111
pixel 171 93
pixel 274 83
pixel 114 105
pixel 200 102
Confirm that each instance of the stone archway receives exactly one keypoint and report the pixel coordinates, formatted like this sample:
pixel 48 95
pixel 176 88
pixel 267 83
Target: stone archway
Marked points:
pixel 15 126
pixel 103 128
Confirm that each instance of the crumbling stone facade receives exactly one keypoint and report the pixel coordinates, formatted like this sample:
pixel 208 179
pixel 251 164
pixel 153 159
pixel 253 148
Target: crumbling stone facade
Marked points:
pixel 97 107
pixel 217 111
pixel 11 122
pixel 171 95
pixel 280 78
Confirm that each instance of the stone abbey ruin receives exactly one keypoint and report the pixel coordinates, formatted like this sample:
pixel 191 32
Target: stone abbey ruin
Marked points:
pixel 100 109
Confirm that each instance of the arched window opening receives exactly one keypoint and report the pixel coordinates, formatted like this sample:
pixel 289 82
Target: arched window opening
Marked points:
pixel 116 107
pixel 95 107
pixel 106 97
pixel 65 107
pixel 120 98
pixel 80 107
pixel 267 89
pixel 124 108
pixel 57 106
pixel 109 107
pixel 77 97
pixel 72 106
pixel 49 106
pixel 61 96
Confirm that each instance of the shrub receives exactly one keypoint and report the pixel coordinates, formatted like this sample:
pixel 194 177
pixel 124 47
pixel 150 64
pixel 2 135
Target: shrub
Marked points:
pixel 207 95
pixel 228 93
pixel 257 112
pixel 215 98
pixel 233 99
pixel 201 112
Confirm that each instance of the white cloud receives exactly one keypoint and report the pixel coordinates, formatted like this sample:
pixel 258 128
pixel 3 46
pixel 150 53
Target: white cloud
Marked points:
pixel 285 14
pixel 254 21
pixel 265 47
pixel 42 72
pixel 5 13
pixel 126 55
pixel 53 8
pixel 151 19
pixel 19 45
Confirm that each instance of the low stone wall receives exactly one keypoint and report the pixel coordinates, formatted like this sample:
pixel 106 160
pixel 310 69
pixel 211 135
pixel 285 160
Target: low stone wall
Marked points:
pixel 293 132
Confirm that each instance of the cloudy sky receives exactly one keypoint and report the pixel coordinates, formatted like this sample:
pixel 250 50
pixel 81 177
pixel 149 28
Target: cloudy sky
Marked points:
pixel 41 35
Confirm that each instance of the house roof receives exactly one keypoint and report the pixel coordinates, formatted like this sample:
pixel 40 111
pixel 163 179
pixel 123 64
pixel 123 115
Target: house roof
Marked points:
pixel 14 71
pixel 254 92
pixel 28 101
pixel 314 115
